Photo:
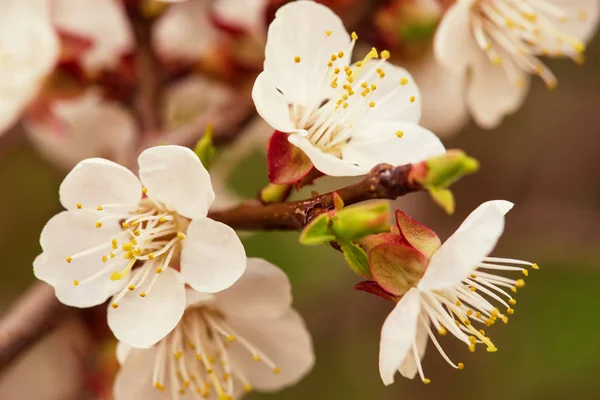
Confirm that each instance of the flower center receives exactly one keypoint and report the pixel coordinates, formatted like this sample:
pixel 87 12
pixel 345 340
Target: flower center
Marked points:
pixel 456 309
pixel 522 31
pixel 344 95
pixel 196 356
pixel 150 240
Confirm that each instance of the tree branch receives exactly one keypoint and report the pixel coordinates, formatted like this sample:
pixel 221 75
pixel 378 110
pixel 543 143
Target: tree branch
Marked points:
pixel 35 313
pixel 382 182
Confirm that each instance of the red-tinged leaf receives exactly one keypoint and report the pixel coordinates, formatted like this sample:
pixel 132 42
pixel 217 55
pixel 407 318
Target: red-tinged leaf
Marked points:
pixel 374 288
pixel 417 235
pixel 73 46
pixel 370 242
pixel 287 163
pixel 397 267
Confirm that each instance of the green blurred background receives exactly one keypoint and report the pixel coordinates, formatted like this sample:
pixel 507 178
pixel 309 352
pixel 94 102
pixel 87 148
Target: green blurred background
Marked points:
pixel 544 158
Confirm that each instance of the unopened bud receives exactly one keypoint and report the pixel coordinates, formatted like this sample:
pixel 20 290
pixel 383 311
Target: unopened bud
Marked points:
pixel 357 222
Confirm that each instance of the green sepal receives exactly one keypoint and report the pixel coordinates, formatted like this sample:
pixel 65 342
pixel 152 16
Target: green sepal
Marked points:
pixel 356 258
pixel 204 149
pixel 353 223
pixel 443 198
pixel 318 231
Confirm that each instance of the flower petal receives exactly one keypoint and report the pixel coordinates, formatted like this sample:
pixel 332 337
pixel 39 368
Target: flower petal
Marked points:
pixel 488 111
pixel 134 380
pixel 397 267
pixel 300 30
pixel 408 369
pixel 398 335
pixel 66 234
pixel 326 163
pixel 97 181
pixel 284 340
pixel 397 97
pixel 272 299
pixel 472 241
pixel 454 46
pixel 378 143
pixel 270 104
pixel 175 177
pixel 88 294
pixel 123 350
pixel 212 258
pixel 417 235
pixel 142 321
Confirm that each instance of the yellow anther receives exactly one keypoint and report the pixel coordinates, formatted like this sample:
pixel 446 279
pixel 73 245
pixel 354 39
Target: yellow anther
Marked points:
pixel 354 36
pixel 125 225
pixel 471 348
pixel 151 256
pixel 230 338
pixel 328 33
pixel 364 85
pixel 513 289
pixel 399 134
pixel 505 319
pixel 340 54
pixel 144 190
pixel 512 302
pixel 412 99
pixel 473 276
pixel 158 270
pixel 427 381
pixel 178 355
pixel 525 272
pixel 98 224
pixel 442 331
pixel 469 312
pixel 372 104
pixel 143 294
pixel 199 357
pixel 69 259
pixel 333 57
pixel 461 366
pixel 256 357
pixel 582 15
pixel 111 254
pixel 131 287
pixel 373 87
pixel 134 241
pixel 359 64
pixel 115 305
pixel 276 370
pixel 458 303
pixel 79 205
pixel 385 54
pixel 520 283
pixel 99 208
pixel 297 59
pixel 180 235
pixel 535 266
pixel 510 311
pixel 76 282
pixel 104 258
pixel 136 232
pixel 472 339
pixel 247 388
pixel 482 332
pixel 496 60
pixel 127 246
pixel 491 349
pixel 403 81
pixel 478 314
pixel 472 288
pixel 159 386
pixel 336 70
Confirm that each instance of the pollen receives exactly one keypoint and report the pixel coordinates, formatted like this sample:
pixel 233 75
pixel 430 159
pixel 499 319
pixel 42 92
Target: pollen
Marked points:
pixel 340 54
pixel 354 36
pixel 145 190
pixel 143 294
pixel 372 104
pixel 76 282
pixel 158 270
pixel 104 258
pixel 403 81
pixel 512 302
pixel 99 208
pixel 535 266
pixel 276 371
pixel 98 224
pixel 385 54
pixel 115 305
pixel 297 59
pixel 328 33
pixel 69 259
pixel 247 388
pixel 399 134
pixel 180 235
pixel 427 381
pixel 79 206
pixel 131 287
pixel 230 338
pixel 412 99
pixel 461 366
pixel 256 357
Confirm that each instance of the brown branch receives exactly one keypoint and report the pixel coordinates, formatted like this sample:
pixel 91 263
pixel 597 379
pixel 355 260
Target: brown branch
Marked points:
pixel 36 313
pixel 382 182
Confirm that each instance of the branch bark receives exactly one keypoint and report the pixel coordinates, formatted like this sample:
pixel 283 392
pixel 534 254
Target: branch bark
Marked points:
pixel 382 182
pixel 34 314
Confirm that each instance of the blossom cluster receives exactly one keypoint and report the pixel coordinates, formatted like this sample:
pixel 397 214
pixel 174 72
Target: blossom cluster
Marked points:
pixel 193 315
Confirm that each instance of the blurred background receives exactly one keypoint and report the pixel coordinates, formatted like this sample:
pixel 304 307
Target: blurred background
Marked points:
pixel 544 158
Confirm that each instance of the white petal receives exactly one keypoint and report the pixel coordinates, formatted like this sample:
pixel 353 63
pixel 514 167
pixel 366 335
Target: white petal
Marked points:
pixel 299 29
pixel 184 32
pixel 66 234
pixel 488 111
pixel 270 103
pixel 393 95
pixel 212 258
pixel 378 143
pixel 454 45
pixel 472 241
pixel 326 163
pixel 398 335
pixel 97 181
pixel 142 321
pixel 103 22
pixel 122 352
pixel 134 380
pixel 271 300
pixel 444 106
pixel 175 177
pixel 408 369
pixel 94 127
pixel 285 340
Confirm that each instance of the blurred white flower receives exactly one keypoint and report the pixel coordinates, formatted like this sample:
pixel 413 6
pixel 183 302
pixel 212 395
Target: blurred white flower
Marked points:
pixel 346 119
pixel 450 295
pixel 247 15
pixel 88 126
pixel 113 224
pixel 103 22
pixel 243 338
pixel 498 42
pixel 28 52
